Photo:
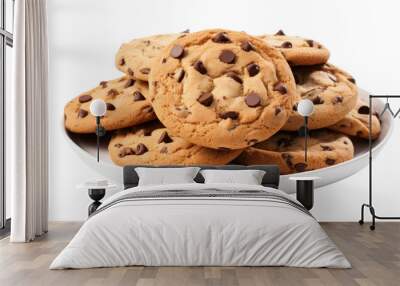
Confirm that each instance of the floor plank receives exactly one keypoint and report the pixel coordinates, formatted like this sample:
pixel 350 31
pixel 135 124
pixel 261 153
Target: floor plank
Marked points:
pixel 375 257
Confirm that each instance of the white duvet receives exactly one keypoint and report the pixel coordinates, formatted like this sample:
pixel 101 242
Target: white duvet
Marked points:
pixel 200 231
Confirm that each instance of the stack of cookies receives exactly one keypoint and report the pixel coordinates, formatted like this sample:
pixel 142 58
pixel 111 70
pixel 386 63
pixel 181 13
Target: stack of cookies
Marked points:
pixel 219 96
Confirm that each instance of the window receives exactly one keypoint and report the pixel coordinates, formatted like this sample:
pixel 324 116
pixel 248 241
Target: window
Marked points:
pixel 6 44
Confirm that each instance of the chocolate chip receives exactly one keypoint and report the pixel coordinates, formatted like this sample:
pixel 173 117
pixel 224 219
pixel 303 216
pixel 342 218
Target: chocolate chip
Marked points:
pixel 288 159
pixel 280 33
pixel 129 83
pixel 317 100
pixel 199 66
pixel 138 96
pixel 330 161
pixel 82 113
pixel 326 148
pixel 164 138
pixel 221 38
pixel 112 92
pixel 352 80
pixel 164 60
pixel 85 98
pixel 253 69
pixel 363 109
pixel 110 106
pixel 145 70
pixel 103 84
pixel 164 150
pixel 337 99
pixel 141 149
pixel 181 75
pixel 118 145
pixel 345 142
pixel 286 45
pixel 295 107
pixel 227 56
pixel 230 114
pixel 206 98
pixel 247 46
pixel 235 77
pixel 278 110
pixel 310 43
pixel 130 72
pixel 122 62
pixel 300 167
pixel 253 99
pixel 280 87
pixel 126 151
pixel 177 52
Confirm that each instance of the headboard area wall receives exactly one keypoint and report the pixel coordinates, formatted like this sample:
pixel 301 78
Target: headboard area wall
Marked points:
pixel 270 179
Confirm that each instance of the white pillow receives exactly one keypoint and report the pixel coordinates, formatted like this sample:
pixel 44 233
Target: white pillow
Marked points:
pixel 163 176
pixel 247 177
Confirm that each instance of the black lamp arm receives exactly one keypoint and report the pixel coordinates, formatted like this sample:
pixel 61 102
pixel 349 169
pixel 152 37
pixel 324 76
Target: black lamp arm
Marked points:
pixel 305 137
pixel 100 131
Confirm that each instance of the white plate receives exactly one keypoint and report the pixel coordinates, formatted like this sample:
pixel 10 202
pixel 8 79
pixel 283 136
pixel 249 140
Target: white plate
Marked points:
pixel 85 146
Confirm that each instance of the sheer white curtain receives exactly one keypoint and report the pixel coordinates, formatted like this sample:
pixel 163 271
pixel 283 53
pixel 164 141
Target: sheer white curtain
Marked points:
pixel 28 161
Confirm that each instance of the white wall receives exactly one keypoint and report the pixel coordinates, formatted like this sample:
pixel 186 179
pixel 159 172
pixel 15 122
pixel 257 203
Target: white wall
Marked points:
pixel 84 36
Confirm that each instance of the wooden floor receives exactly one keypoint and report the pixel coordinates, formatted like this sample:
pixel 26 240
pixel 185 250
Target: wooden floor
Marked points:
pixel 375 257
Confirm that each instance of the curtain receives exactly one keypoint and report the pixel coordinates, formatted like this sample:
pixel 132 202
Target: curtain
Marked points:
pixel 28 158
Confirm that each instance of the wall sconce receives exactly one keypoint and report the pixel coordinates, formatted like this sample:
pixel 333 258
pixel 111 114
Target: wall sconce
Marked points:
pixel 305 108
pixel 98 108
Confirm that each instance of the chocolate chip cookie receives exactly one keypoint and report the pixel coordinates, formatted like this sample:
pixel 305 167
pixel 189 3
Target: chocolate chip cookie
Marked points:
pixel 134 58
pixel 286 149
pixel 126 106
pixel 152 144
pixel 221 89
pixel 332 91
pixel 356 123
pixel 297 50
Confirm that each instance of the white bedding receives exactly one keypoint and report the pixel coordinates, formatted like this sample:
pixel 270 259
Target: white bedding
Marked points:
pixel 200 231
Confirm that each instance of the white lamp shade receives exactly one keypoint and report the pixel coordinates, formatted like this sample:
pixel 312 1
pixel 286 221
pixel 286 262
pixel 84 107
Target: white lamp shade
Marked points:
pixel 305 107
pixel 98 107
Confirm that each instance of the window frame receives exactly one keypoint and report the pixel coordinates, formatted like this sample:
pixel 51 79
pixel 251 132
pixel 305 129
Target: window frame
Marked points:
pixel 6 39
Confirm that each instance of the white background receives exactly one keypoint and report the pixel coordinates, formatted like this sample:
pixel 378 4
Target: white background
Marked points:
pixel 84 35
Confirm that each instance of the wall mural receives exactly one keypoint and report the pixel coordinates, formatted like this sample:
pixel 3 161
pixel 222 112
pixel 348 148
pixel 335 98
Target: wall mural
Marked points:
pixel 220 97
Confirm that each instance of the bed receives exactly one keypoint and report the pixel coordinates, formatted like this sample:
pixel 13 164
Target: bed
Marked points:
pixel 201 224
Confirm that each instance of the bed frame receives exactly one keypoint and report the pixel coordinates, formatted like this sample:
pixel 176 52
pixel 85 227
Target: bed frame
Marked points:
pixel 270 179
